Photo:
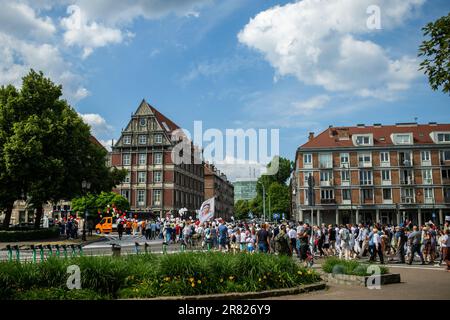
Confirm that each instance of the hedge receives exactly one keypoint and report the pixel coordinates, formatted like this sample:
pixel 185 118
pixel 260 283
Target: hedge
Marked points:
pixel 349 267
pixel 148 275
pixel 33 234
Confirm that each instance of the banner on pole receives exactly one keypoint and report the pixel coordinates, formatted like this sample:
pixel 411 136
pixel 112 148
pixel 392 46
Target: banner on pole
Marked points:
pixel 206 210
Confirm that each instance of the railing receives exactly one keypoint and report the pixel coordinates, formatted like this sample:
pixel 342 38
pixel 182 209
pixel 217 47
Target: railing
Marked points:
pixel 409 181
pixel 407 199
pixel 328 201
pixel 365 164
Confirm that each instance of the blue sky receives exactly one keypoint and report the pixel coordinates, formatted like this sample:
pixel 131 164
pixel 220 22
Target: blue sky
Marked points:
pixel 296 66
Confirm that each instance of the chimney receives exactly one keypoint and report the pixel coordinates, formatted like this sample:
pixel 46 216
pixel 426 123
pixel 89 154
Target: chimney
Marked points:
pixel 311 136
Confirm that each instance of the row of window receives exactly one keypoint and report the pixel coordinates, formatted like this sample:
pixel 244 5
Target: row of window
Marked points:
pixel 399 138
pixel 142 177
pixel 142 158
pixel 366 176
pixel 365 158
pixel 180 198
pixel 143 139
pixel 407 195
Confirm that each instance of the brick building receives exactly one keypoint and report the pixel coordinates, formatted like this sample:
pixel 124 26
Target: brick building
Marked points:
pixel 375 173
pixel 218 186
pixel 156 185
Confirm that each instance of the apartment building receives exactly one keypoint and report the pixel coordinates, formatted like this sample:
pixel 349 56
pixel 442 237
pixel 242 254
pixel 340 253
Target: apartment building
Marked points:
pixel 218 186
pixel 385 173
pixel 156 185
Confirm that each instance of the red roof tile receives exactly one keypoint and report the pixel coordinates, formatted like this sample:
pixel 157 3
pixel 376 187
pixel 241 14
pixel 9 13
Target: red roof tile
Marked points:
pixel 330 136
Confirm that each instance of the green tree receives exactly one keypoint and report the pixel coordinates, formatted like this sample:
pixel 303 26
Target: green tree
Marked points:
pixel 436 53
pixel 48 148
pixel 100 202
pixel 241 209
pixel 278 184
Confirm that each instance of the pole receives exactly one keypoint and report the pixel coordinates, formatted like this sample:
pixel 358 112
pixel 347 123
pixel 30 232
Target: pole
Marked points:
pixel 84 222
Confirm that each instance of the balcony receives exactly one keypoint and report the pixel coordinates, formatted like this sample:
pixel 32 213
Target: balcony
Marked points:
pixel 365 164
pixel 409 181
pixel 427 181
pixel 407 199
pixel 405 163
pixel 327 183
pixel 326 165
pixel 328 201
pixel 386 182
pixel 428 200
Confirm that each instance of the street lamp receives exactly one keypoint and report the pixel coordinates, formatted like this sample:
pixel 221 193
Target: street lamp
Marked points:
pixel 264 200
pixel 85 186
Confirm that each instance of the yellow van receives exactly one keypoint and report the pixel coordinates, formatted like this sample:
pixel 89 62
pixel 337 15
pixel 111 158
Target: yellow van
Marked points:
pixel 104 226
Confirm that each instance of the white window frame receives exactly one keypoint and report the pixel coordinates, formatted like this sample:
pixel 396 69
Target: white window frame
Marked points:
pixel 306 197
pixel 155 174
pixel 306 174
pixel 399 138
pixel 411 158
pixel 427 176
pixel 125 193
pixel 156 157
pixel 344 155
pixel 367 139
pixel 382 194
pixel 157 194
pixel 141 176
pixel 326 174
pixel 387 160
pixel 442 155
pixel 425 157
pixel 140 192
pixel 426 195
pixel 127 178
pixel 141 140
pixel 329 194
pixel 328 164
pixel 366 177
pixel 445 135
pixel 128 157
pixel 142 160
pixel 347 175
pixel 158 138
pixel 307 160
pixel 365 162
pixel 126 139
pixel 386 178
pixel 350 197
pixel 411 195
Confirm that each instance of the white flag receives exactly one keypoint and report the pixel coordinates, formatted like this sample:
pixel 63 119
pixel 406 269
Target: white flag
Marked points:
pixel 206 210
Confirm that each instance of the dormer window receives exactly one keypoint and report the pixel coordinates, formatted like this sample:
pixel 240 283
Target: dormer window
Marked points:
pixel 402 138
pixel 362 139
pixel 443 137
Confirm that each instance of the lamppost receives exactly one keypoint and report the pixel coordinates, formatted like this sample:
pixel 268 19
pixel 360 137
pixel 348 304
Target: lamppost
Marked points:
pixel 85 186
pixel 264 200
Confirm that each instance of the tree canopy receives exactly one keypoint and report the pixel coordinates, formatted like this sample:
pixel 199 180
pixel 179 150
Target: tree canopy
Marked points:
pixel 46 150
pixel 436 53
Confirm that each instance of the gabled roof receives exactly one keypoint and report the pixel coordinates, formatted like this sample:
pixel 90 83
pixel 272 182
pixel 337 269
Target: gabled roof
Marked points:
pixel 334 137
pixel 163 119
pixel 95 141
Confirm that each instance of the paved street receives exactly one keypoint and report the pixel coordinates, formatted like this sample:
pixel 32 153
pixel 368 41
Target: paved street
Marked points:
pixel 418 282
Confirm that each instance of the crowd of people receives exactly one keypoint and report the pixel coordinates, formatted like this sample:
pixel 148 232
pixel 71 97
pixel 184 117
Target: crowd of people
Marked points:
pixel 383 243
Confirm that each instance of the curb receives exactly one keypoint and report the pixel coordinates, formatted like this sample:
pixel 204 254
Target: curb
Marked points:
pixel 383 279
pixel 250 295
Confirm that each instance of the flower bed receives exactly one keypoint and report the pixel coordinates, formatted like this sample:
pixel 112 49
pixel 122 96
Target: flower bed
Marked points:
pixel 147 276
pixel 349 267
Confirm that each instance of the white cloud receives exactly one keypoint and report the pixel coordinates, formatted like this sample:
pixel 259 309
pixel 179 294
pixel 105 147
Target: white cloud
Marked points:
pixel 107 144
pixel 309 106
pixel 20 20
pixel 18 56
pixel 319 42
pixel 97 123
pixel 79 32
pixel 95 24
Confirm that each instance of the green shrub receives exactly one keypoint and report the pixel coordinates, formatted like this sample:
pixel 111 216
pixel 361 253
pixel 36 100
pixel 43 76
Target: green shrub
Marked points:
pixel 28 234
pixel 141 276
pixel 349 267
